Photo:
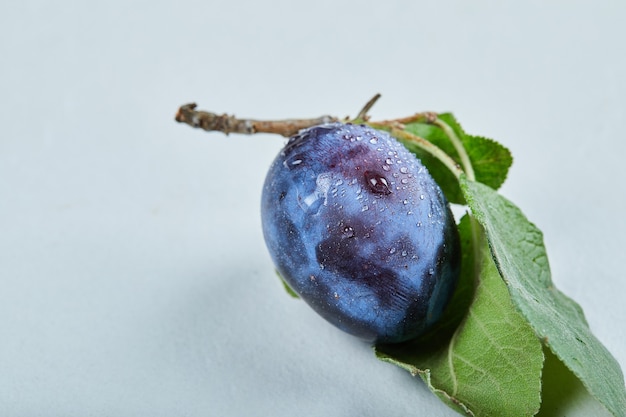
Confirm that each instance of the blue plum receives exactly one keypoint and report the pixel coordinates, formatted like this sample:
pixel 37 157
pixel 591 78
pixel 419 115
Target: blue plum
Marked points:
pixel 358 228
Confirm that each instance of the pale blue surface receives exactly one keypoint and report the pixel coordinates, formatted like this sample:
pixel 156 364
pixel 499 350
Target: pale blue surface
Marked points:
pixel 134 278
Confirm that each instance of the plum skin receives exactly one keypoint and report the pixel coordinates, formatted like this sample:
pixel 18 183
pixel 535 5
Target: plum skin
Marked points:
pixel 358 228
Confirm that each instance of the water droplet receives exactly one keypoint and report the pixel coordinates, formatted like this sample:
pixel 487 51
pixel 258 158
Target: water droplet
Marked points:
pixel 377 183
pixel 405 202
pixel 388 161
pixel 386 168
pixel 338 182
pixel 403 170
pixel 296 162
pixel 404 253
pixel 395 175
pixel 365 208
pixel 392 250
pixel 404 181
pixel 421 196
pixel 348 232
pixel 419 224
pixel 430 215
pixel 374 141
pixel 358 138
pixel 431 271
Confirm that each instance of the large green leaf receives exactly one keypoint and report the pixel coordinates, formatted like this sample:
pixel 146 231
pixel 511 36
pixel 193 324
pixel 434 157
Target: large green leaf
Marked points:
pixel 518 250
pixel 491 365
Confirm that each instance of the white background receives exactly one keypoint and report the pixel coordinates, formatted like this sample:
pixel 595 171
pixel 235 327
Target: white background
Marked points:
pixel 134 280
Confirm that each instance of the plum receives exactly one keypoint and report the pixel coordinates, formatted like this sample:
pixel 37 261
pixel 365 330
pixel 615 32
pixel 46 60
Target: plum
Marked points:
pixel 358 228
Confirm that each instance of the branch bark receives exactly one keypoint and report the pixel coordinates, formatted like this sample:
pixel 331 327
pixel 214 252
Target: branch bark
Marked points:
pixel 230 124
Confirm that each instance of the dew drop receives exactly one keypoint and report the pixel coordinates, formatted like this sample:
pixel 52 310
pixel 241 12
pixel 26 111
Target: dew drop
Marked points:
pixel 388 161
pixel 377 183
pixel 386 168
pixel 404 170
pixel 421 196
pixel 419 224
pixel 405 202
pixel 392 250
pixel 365 208
pixel 404 181
pixel 431 271
pixel 374 141
pixel 404 253
pixel 348 232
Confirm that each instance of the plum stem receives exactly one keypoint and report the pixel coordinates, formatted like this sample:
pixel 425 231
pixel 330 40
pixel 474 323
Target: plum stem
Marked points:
pixel 230 124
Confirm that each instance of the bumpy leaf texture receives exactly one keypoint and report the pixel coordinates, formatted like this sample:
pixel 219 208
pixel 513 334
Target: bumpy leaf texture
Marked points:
pixel 518 250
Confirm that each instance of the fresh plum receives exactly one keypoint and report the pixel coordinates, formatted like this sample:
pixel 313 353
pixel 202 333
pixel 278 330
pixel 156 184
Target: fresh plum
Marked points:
pixel 358 228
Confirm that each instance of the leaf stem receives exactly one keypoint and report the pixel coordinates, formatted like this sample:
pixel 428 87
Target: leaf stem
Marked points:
pixel 422 143
pixel 458 145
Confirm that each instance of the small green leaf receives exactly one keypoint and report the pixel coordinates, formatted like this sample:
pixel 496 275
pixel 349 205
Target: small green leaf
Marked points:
pixel 518 250
pixel 491 161
pixel 286 286
pixel 491 366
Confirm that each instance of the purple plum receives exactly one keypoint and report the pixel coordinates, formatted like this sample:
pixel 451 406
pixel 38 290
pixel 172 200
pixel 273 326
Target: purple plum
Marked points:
pixel 358 228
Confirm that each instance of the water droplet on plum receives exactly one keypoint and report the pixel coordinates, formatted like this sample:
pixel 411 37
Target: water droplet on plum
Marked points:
pixel 377 183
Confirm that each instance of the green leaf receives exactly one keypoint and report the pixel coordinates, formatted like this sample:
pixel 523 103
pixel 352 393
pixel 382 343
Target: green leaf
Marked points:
pixel 491 366
pixel 286 286
pixel 491 161
pixel 518 250
pixel 562 394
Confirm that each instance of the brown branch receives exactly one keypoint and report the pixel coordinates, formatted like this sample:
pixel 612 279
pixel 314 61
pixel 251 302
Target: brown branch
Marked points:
pixel 230 124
